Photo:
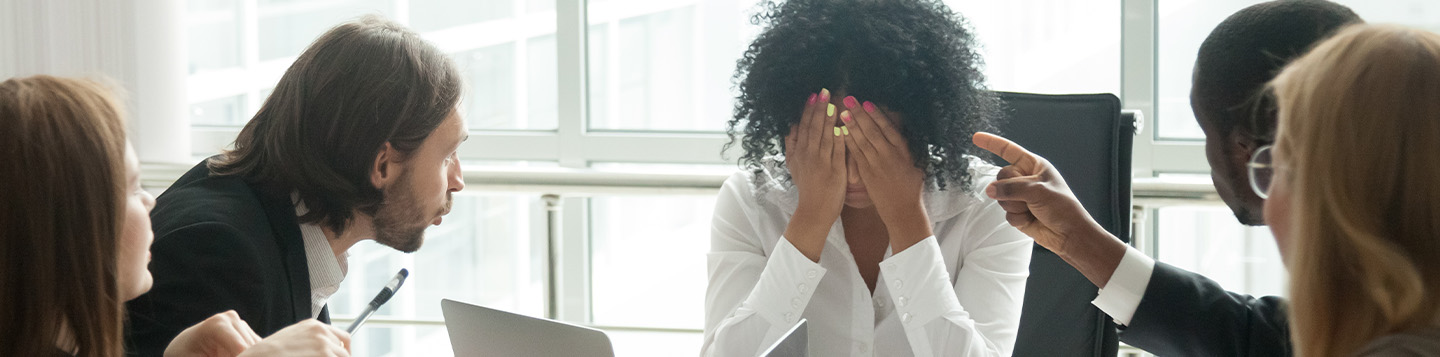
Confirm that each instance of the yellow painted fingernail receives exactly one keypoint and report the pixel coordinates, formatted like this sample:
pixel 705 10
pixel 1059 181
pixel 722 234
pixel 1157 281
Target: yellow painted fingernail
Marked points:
pixel 837 131
pixel 845 129
pixel 830 110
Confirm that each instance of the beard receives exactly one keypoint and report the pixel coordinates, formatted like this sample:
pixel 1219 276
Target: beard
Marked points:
pixel 400 222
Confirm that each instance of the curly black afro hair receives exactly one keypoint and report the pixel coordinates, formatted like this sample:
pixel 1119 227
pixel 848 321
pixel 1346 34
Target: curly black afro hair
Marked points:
pixel 917 58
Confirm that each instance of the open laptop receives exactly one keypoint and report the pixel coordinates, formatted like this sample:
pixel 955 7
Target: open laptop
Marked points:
pixel 481 331
pixel 795 343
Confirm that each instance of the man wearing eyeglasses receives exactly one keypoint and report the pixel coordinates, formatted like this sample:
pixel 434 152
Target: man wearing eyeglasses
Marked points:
pixel 1163 309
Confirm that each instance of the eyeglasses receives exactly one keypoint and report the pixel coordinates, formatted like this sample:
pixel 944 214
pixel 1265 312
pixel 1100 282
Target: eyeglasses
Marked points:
pixel 1262 171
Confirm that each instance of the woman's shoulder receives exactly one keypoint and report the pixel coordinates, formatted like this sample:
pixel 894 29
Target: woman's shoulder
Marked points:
pixel 959 196
pixel 764 189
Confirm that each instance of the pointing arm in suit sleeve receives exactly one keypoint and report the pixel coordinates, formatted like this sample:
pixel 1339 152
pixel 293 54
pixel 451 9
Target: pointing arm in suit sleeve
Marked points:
pixel 1186 314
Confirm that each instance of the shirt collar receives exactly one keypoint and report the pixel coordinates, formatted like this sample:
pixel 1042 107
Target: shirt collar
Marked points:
pixel 326 269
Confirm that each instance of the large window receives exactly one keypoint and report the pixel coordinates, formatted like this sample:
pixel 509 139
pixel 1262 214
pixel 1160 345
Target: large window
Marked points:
pixel 644 86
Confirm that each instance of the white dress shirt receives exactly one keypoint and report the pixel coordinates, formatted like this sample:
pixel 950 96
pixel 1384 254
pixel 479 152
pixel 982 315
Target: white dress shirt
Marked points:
pixel 326 269
pixel 957 293
pixel 1122 293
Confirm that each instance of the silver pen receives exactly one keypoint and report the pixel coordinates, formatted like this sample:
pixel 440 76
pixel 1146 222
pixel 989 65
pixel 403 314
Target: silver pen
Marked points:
pixel 380 299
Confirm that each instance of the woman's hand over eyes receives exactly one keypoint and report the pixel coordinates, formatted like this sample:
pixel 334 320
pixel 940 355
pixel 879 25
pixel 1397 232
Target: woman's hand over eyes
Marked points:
pixel 891 178
pixel 815 157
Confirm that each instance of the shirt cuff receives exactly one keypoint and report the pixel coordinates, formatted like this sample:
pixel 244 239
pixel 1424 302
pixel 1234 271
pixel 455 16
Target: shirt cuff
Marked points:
pixel 919 286
pixel 1121 295
pixel 786 285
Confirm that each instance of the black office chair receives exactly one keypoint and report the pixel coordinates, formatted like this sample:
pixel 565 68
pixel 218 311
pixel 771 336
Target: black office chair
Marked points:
pixel 1088 139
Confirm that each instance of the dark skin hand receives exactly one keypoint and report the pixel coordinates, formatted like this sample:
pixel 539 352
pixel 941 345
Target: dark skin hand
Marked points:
pixel 815 156
pixel 893 182
pixel 1037 201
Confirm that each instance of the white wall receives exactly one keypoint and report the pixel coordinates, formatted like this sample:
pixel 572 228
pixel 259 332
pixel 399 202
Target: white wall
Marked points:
pixel 136 44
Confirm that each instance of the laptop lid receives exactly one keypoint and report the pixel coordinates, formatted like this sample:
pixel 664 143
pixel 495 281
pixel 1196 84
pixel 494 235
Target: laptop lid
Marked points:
pixel 481 331
pixel 794 343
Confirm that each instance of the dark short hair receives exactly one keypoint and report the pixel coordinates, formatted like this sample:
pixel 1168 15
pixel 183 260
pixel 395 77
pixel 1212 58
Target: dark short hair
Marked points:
pixel 1248 49
pixel 916 57
pixel 361 85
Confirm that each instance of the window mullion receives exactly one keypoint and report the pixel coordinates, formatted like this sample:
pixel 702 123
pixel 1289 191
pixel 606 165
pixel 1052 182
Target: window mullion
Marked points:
pixel 570 42
pixel 1137 75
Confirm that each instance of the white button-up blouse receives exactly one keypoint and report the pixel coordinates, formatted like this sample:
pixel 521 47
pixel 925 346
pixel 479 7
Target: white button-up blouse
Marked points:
pixel 957 293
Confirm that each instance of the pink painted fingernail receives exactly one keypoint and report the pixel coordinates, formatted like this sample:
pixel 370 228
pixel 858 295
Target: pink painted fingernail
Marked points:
pixel 824 95
pixel 812 99
pixel 850 102
pixel 845 116
pixel 869 107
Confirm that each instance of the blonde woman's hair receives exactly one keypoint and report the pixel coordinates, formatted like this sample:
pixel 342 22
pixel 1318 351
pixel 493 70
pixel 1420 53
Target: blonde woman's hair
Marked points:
pixel 1359 134
pixel 61 204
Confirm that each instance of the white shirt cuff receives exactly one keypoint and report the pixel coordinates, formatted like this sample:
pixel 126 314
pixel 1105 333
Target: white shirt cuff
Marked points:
pixel 1121 295
pixel 786 285
pixel 919 286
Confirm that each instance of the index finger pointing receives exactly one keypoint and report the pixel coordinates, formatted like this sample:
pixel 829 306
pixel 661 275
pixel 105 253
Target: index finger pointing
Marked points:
pixel 1008 150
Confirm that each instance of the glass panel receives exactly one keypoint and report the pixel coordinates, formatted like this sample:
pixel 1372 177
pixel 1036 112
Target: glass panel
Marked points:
pixel 1208 240
pixel 1048 46
pixel 213 34
pixel 401 340
pixel 490 73
pixel 631 236
pixel 288 26
pixel 490 251
pixel 1419 13
pixel 431 15
pixel 1183 25
pixel 660 64
pixel 541 84
pixel 223 111
pixel 538 6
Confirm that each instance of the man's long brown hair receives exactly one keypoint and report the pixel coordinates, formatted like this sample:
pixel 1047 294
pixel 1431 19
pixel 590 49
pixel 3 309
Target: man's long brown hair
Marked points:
pixel 61 200
pixel 361 85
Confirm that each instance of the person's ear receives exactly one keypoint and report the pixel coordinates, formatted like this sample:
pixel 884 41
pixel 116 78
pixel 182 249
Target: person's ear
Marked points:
pixel 386 167
pixel 1242 146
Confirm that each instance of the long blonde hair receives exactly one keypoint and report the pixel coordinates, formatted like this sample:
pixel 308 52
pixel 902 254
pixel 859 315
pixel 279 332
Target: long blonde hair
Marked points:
pixel 1359 134
pixel 61 206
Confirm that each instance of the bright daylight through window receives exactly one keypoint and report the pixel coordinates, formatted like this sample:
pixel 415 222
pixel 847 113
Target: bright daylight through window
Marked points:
pixel 654 95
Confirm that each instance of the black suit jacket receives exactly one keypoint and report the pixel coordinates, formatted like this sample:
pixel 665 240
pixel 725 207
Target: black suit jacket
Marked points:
pixel 1187 314
pixel 220 244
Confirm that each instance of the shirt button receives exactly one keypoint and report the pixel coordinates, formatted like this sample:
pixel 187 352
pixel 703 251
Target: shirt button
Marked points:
pixel 811 274
pixel 795 303
pixel 899 284
pixel 790 317
pixel 881 304
pixel 863 348
pixel 904 318
pixel 903 301
pixel 803 288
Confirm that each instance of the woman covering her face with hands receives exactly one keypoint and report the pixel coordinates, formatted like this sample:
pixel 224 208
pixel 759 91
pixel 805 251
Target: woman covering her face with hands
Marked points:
pixel 868 224
pixel 75 235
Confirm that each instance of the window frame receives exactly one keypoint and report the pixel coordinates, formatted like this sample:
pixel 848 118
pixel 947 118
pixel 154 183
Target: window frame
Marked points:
pixel 574 145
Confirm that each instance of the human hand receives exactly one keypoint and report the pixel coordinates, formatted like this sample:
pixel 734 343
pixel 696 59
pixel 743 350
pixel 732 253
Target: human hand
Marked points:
pixel 303 339
pixel 815 158
pixel 891 178
pixel 1035 197
pixel 224 334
